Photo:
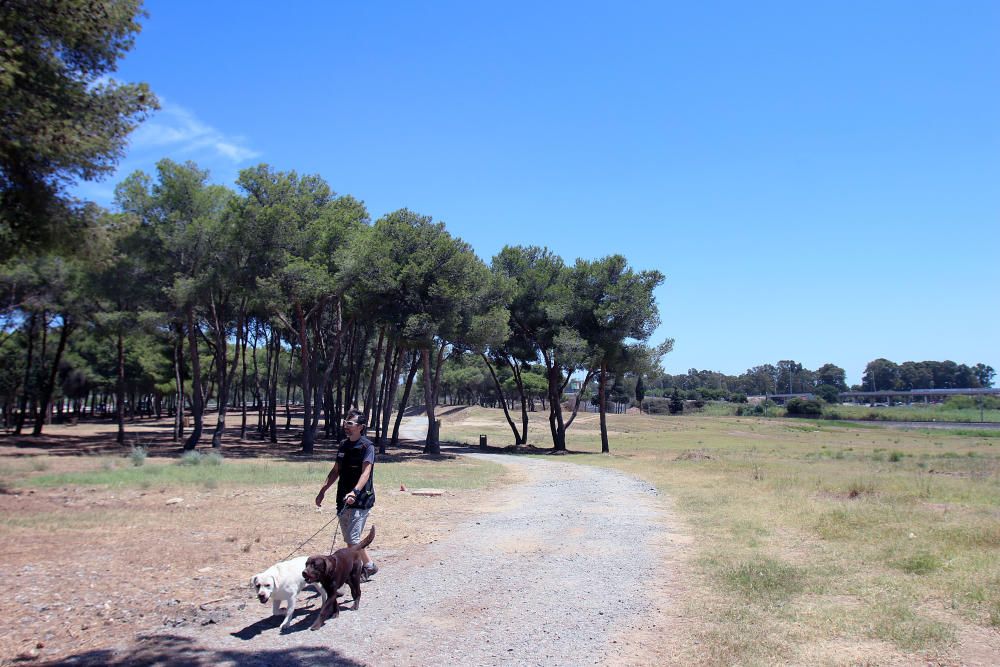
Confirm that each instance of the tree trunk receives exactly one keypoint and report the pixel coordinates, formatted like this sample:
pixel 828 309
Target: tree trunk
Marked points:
pixel 288 387
pixel 305 359
pixel 602 397
pixel 243 383
pixel 179 383
pixel 120 390
pixel 518 439
pixel 579 395
pixel 431 444
pixel 431 383
pixel 556 426
pixel 23 411
pixel 50 383
pixel 225 374
pixel 331 357
pixel 376 361
pixel 383 394
pixel 390 396
pixel 197 399
pixel 272 397
pixel 414 364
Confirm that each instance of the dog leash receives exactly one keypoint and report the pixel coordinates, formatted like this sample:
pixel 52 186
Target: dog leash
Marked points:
pixel 335 517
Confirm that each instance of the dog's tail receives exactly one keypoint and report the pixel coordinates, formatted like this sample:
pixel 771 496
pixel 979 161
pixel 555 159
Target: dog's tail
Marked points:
pixel 365 542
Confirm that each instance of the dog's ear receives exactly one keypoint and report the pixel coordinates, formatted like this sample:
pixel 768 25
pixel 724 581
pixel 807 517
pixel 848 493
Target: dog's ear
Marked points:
pixel 253 581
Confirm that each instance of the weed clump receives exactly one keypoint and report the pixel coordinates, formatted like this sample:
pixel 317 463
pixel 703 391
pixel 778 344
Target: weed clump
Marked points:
pixel 191 458
pixel 137 455
pixel 922 562
pixel 763 578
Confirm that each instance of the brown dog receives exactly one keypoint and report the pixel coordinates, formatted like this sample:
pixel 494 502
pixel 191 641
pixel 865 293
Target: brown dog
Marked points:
pixel 332 572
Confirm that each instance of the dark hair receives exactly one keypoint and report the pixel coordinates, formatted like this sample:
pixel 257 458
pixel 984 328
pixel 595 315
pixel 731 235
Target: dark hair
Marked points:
pixel 356 415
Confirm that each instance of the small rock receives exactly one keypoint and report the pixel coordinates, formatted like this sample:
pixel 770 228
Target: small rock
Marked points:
pixel 174 501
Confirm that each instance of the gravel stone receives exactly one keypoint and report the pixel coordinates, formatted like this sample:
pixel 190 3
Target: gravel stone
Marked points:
pixel 547 575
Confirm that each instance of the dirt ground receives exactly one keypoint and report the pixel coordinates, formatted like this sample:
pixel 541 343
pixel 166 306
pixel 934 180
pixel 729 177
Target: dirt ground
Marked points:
pixel 95 568
pixel 94 571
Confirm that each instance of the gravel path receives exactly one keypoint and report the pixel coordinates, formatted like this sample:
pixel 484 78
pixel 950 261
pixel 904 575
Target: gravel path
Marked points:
pixel 551 572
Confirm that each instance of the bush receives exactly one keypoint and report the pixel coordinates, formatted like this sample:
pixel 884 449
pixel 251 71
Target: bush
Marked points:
pixel 191 458
pixel 755 410
pixel 656 406
pixel 137 455
pixel 798 407
pixel 676 403
pixel 828 393
pixel 971 402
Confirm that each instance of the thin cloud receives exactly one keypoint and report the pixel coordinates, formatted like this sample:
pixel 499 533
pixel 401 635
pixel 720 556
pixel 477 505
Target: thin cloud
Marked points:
pixel 176 133
pixel 176 130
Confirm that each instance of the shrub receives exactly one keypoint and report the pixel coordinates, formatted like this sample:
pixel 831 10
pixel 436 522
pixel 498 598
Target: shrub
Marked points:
pixel 656 406
pixel 138 455
pixel 828 393
pixel 191 458
pixel 971 402
pixel 798 407
pixel 213 458
pixel 676 403
pixel 921 562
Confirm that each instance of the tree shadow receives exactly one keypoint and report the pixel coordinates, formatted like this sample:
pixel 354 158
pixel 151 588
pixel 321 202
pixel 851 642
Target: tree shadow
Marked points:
pixel 510 450
pixel 179 651
pixel 155 436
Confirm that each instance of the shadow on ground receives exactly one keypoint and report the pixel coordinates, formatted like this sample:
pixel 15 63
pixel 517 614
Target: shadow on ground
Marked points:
pixel 178 651
pixel 96 437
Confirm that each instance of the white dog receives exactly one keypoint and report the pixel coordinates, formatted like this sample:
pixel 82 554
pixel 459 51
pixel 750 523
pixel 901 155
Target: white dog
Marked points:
pixel 281 583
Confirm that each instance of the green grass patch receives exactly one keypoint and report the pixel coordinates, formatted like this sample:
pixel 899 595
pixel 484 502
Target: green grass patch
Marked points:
pixel 211 472
pixel 901 625
pixel 922 562
pixel 762 579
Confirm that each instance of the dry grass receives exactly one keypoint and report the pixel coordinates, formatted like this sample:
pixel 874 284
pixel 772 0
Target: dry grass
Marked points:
pixel 71 523
pixel 815 534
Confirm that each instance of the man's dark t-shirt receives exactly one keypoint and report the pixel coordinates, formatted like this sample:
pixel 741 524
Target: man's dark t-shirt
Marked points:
pixel 350 456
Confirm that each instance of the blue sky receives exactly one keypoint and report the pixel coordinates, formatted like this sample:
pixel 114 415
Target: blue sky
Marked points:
pixel 817 181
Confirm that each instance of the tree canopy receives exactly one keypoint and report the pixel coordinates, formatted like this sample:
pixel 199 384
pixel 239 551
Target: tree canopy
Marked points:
pixel 62 118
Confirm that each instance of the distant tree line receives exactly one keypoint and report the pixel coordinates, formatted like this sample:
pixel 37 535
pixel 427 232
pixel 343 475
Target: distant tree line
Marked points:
pixel 882 374
pixel 791 377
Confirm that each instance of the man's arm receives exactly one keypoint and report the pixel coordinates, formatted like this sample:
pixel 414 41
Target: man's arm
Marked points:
pixel 330 479
pixel 366 472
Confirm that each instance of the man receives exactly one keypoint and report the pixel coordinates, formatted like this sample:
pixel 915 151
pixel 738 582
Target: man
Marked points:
pixel 356 487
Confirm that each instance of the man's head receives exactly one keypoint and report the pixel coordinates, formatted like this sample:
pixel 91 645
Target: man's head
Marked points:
pixel 354 424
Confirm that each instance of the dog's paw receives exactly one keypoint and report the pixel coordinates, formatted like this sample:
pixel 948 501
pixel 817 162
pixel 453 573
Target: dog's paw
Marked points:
pixel 315 626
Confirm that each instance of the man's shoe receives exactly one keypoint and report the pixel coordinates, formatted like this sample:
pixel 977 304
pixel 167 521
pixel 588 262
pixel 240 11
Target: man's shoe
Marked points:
pixel 368 571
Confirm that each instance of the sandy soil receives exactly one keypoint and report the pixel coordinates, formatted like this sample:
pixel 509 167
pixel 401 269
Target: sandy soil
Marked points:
pixel 140 577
